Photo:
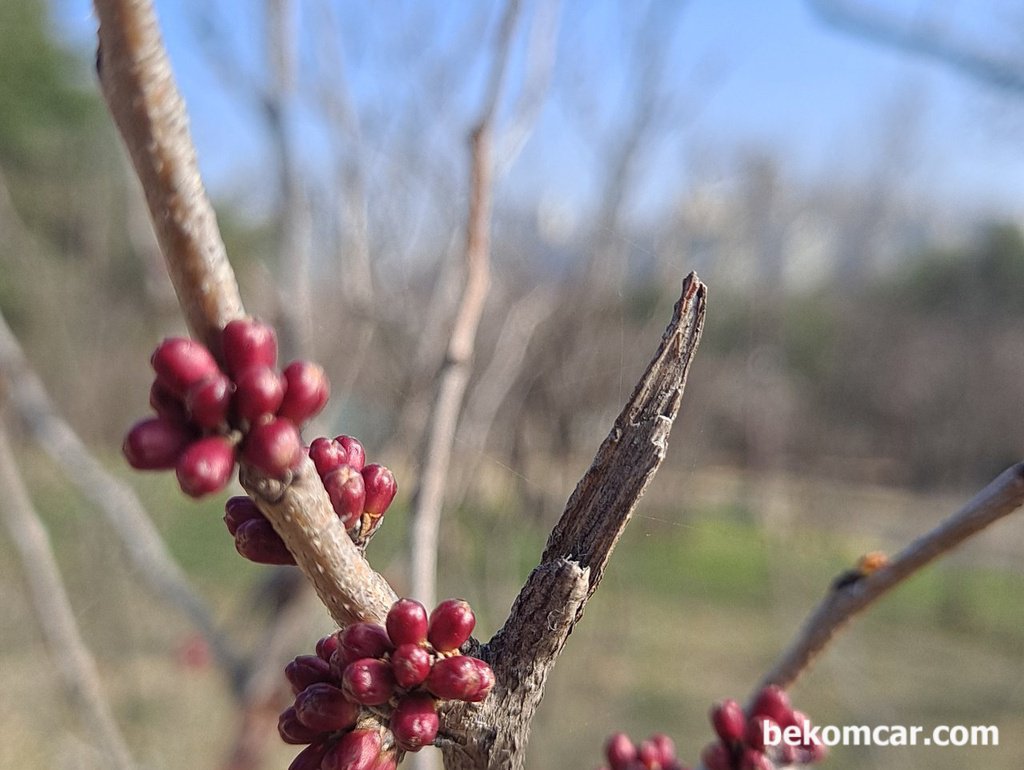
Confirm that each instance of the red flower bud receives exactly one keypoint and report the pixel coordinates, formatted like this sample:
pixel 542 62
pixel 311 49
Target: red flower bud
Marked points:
pixel 207 401
pixel 306 670
pixel 756 726
pixel 665 746
pixel 274 447
pixel 451 623
pixel 325 647
pixel 310 757
pixel 180 363
pixel 414 721
pixel 369 681
pixel 306 391
pixel 238 510
pixel 327 454
pixel 166 404
pixel 407 622
pixel 357 750
pixel 486 682
pixel 753 759
pixel 716 756
pixel 257 541
pixel 345 487
pixel 363 640
pixel 246 343
pixel 292 730
pixel 620 751
pixel 773 702
pixel 324 707
pixel 354 451
pixel 380 489
pixel 155 444
pixel 455 678
pixel 206 466
pixel 729 721
pixel 410 664
pixel 258 393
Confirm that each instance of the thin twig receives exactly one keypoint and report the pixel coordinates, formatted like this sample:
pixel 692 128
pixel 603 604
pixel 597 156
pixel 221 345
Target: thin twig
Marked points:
pixel 70 655
pixel 455 371
pixel 1002 496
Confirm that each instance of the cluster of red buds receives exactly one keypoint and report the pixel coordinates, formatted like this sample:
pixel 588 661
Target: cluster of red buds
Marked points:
pixel 372 692
pixel 359 493
pixel 206 418
pixel 656 753
pixel 741 744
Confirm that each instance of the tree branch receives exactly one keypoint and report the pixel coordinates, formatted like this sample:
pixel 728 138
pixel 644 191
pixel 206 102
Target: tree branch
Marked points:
pixel 553 599
pixel 149 112
pixel 70 655
pixel 1002 496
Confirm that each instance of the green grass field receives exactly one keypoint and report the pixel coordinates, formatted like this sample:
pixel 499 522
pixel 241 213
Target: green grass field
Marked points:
pixel 695 605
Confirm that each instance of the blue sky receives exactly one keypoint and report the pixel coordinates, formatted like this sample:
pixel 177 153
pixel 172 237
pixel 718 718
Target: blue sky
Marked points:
pixel 749 74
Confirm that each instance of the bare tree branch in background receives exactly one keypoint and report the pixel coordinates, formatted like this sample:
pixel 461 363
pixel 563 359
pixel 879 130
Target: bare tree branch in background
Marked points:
pixel 53 610
pixel 985 65
pixel 1002 496
pixel 455 370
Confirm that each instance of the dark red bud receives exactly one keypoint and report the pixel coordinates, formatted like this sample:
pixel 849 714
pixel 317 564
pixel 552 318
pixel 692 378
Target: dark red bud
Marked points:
pixel 773 702
pixel 206 466
pixel 729 721
pixel 156 444
pixel 357 750
pixel 238 510
pixel 410 664
pixel 274 447
pixel 407 622
pixel 486 682
pixel 327 454
pixel 180 363
pixel 620 751
pixel 380 489
pixel 369 681
pixel 716 756
pixel 208 401
pixel 363 640
pixel 450 625
pixel 306 391
pixel 258 393
pixel 257 541
pixel 324 707
pixel 325 647
pixel 310 757
pixel 753 759
pixel 246 343
pixel 455 678
pixel 292 730
pixel 754 735
pixel 306 670
pixel 166 404
pixel 414 721
pixel 353 450
pixel 345 487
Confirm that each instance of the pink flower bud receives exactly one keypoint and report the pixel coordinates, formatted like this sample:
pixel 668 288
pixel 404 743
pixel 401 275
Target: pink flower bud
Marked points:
pixel 354 451
pixel 729 721
pixel 773 702
pixel 414 721
pixel 180 363
pixel 345 487
pixel 756 726
pixel 324 707
pixel 380 489
pixel 620 751
pixel 206 466
pixel 246 343
pixel 156 443
pixel 665 748
pixel 357 750
pixel 259 391
pixel 451 623
pixel 306 670
pixel 716 756
pixel 292 730
pixel 410 664
pixel 257 541
pixel 306 391
pixel 274 447
pixel 369 681
pixel 238 510
pixel 407 622
pixel 207 401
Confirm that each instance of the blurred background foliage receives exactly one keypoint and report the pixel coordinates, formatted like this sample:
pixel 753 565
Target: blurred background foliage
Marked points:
pixel 861 371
